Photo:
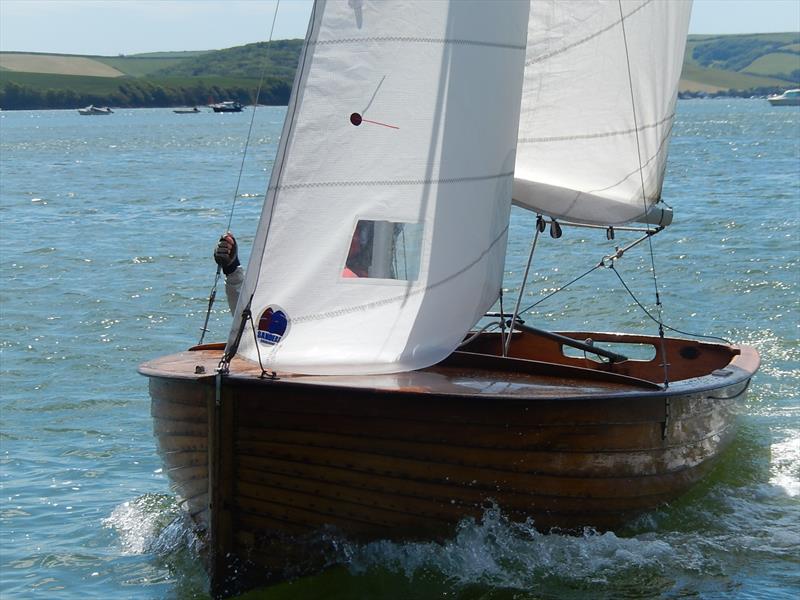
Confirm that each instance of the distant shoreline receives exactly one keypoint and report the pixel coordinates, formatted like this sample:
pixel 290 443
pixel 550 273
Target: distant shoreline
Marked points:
pixel 729 66
pixel 207 109
pixel 33 102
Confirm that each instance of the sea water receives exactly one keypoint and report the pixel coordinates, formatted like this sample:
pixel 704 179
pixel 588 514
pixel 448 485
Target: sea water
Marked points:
pixel 107 229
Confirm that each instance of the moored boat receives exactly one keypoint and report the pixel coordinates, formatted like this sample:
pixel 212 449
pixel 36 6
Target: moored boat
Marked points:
pixel 787 98
pixel 227 106
pixel 95 110
pixel 186 111
pixel 362 393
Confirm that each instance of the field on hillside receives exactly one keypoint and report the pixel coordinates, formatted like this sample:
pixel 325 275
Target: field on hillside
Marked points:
pixel 57 64
pixel 741 62
pixel 697 78
pixel 100 85
pixel 776 62
pixel 77 83
pixel 136 66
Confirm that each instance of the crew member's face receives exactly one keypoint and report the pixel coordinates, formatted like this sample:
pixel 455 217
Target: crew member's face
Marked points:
pixel 355 244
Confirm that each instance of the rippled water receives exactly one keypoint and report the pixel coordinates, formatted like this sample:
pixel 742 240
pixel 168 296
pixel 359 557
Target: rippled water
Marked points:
pixel 107 226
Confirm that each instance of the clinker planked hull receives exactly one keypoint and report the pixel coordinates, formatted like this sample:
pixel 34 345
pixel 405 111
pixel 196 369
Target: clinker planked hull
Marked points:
pixel 259 462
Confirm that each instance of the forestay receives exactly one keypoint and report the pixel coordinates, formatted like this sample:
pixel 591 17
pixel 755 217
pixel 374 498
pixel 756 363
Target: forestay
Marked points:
pixel 587 123
pixel 383 234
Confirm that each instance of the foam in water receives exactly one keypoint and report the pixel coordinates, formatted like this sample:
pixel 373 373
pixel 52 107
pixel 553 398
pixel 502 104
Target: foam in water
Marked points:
pixel 785 468
pixel 152 524
pixel 497 551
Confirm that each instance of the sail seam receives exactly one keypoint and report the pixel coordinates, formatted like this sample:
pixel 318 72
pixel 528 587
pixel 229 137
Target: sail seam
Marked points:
pixel 402 297
pixel 661 147
pixel 420 40
pixel 389 182
pixel 591 136
pixel 588 38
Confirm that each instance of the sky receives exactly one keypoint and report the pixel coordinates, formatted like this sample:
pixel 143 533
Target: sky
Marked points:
pixel 111 27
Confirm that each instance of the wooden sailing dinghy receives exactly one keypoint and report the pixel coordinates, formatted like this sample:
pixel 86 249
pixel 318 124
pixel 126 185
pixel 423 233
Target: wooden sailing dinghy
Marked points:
pixel 362 406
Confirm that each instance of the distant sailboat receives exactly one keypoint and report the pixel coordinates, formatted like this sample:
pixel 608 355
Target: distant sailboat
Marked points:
pixel 369 405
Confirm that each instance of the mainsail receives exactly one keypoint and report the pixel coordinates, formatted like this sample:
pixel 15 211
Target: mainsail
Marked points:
pixel 601 81
pixel 383 234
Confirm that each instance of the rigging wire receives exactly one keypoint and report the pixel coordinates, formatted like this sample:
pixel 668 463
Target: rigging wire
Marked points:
pixel 635 299
pixel 515 314
pixel 609 262
pixel 503 323
pixel 563 287
pixel 610 265
pixel 644 195
pixel 213 293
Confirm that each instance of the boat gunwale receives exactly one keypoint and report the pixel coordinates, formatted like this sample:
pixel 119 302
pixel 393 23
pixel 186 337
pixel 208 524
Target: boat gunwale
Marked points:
pixel 739 370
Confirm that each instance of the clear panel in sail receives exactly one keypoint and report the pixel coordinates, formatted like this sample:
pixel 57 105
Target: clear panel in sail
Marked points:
pixel 403 122
pixel 601 81
pixel 384 250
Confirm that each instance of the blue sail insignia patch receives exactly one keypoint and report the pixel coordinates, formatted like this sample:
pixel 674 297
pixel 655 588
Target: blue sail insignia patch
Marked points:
pixel 272 326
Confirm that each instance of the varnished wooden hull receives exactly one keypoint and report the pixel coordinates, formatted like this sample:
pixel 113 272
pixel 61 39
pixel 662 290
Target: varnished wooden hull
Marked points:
pixel 266 466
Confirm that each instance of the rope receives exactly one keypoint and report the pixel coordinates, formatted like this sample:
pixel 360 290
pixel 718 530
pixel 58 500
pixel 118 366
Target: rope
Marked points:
pixel 253 113
pixel 635 299
pixel 644 195
pixel 488 327
pixel 286 135
pixel 211 297
pixel 213 294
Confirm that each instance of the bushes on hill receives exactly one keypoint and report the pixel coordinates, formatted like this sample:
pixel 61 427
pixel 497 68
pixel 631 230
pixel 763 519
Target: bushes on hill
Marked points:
pixel 279 58
pixel 735 53
pixel 143 93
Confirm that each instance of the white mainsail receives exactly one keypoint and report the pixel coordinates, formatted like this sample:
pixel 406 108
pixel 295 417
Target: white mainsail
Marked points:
pixel 383 234
pixel 601 82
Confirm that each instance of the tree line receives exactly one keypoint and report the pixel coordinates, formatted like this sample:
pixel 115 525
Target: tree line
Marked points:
pixel 139 93
pixel 762 91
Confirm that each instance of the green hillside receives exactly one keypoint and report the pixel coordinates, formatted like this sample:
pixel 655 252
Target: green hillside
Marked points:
pixel 141 66
pixel 149 80
pixel 278 58
pixel 742 65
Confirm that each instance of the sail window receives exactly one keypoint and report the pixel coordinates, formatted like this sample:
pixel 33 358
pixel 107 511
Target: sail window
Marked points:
pixel 384 250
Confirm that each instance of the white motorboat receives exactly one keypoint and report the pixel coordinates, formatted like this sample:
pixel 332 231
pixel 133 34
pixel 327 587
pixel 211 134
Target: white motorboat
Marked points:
pixel 95 110
pixel 787 98
pixel 227 106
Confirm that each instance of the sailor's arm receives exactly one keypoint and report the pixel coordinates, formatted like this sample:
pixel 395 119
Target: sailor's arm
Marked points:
pixel 233 286
pixel 226 255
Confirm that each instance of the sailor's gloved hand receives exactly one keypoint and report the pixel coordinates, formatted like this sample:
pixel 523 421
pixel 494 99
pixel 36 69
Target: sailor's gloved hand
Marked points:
pixel 226 254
